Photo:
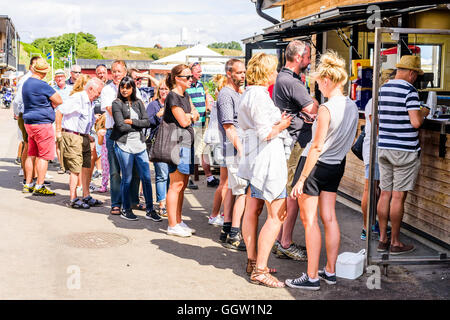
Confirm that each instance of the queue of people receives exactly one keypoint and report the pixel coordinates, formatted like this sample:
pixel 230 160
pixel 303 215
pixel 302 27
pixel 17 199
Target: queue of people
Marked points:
pixel 279 148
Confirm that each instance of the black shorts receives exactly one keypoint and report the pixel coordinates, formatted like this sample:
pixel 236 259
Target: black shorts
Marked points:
pixel 323 177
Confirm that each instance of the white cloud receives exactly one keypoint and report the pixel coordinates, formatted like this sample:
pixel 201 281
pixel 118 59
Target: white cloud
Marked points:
pixel 139 22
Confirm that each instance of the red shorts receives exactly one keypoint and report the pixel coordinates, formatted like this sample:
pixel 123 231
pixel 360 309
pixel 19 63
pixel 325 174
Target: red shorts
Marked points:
pixel 41 140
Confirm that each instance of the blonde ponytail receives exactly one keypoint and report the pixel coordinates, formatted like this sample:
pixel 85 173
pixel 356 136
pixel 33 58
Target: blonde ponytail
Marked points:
pixel 331 66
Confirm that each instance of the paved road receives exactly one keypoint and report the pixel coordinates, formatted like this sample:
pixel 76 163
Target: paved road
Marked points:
pixel 41 256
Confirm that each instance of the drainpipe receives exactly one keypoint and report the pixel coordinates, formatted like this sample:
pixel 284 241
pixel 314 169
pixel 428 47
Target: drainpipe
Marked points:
pixel 262 14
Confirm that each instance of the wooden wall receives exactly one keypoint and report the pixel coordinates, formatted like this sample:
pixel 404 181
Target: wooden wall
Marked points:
pixel 427 207
pixel 294 9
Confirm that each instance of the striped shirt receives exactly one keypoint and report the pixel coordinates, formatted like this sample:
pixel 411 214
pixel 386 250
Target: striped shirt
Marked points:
pixel 198 97
pixel 396 98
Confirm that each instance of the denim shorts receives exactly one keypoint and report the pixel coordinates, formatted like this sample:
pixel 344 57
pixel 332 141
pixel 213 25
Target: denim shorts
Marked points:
pixel 377 172
pixel 256 193
pixel 186 165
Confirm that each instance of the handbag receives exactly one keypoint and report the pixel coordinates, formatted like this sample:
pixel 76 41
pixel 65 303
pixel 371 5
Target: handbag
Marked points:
pixel 357 147
pixel 166 144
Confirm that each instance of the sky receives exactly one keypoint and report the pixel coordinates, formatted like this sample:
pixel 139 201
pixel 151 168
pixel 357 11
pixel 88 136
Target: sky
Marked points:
pixel 140 23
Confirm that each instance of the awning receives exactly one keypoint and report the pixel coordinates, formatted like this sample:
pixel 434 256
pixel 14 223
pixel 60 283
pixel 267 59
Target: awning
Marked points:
pixel 339 17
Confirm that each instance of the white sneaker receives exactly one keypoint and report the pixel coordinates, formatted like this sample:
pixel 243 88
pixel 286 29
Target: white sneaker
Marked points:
pixel 185 226
pixel 47 176
pixel 178 231
pixel 216 221
pixel 21 173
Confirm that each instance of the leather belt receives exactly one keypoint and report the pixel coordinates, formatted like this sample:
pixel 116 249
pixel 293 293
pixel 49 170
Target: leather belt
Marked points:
pixel 74 132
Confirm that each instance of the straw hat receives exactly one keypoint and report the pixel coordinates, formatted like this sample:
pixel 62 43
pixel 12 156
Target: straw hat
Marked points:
pixel 410 63
pixel 41 66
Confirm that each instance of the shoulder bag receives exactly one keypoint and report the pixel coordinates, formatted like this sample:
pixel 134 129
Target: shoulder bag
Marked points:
pixel 357 147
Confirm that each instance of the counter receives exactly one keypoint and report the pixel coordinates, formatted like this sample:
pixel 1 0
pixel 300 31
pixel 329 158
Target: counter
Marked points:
pixel 427 207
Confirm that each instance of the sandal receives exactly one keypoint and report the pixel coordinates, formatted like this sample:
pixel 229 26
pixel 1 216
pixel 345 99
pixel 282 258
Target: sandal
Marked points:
pixel 115 211
pixel 263 277
pixel 139 206
pixel 78 204
pixel 251 264
pixel 92 202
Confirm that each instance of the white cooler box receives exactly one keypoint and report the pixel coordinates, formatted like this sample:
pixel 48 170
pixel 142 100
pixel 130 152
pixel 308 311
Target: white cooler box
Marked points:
pixel 350 265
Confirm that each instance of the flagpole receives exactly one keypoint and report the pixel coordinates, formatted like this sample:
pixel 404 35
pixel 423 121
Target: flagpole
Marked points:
pixel 52 63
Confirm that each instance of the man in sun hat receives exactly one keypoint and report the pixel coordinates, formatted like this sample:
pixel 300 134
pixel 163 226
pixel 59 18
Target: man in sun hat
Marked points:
pixel 39 101
pixel 400 117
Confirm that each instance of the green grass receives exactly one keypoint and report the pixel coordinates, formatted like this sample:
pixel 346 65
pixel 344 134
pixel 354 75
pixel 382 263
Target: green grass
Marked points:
pixel 123 52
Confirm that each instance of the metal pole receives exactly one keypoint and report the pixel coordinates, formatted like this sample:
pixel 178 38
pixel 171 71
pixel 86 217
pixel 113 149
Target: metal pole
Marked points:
pixel 372 203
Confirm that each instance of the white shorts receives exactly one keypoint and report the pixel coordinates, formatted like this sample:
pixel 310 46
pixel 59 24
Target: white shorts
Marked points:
pixel 237 185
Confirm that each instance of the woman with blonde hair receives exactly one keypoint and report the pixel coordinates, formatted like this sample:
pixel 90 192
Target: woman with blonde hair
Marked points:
pixel 321 168
pixel 263 164
pixel 178 109
pixel 79 85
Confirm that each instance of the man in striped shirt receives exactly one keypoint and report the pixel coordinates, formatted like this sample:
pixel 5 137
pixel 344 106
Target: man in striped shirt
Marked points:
pixel 400 116
pixel 198 97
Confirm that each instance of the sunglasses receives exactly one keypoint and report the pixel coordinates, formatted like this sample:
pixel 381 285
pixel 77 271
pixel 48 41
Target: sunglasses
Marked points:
pixel 76 72
pixel 195 64
pixel 187 77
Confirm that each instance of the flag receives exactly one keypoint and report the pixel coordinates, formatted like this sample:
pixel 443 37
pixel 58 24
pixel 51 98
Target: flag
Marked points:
pixel 49 55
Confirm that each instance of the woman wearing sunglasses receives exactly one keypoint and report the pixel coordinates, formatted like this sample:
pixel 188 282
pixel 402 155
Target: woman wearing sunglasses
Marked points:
pixel 179 110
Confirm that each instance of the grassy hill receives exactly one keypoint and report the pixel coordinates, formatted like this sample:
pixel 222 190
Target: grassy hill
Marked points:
pixel 142 53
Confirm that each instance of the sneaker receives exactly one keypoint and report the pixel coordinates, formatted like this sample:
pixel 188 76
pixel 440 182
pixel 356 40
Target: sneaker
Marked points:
pixel 216 221
pixel 27 189
pixel 21 173
pixel 96 174
pixel 303 282
pixel 235 243
pixel 275 246
pixel 185 226
pixel 92 187
pixel 43 191
pixel 100 189
pixel 162 212
pixel 292 252
pixel 396 250
pixel 178 231
pixel 18 161
pixel 223 236
pixel 191 185
pixel 153 215
pixel 61 170
pixel 48 176
pixel 328 279
pixel 363 235
pixel 128 215
pixel 376 229
pixel 213 183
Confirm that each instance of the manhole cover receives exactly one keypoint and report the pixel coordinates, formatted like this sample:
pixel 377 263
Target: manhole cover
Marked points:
pixel 96 240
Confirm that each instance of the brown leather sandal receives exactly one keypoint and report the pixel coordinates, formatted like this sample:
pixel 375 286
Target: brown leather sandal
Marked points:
pixel 263 277
pixel 251 264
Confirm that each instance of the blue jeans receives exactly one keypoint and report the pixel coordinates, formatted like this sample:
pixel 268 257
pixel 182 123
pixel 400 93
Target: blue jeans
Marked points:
pixel 127 162
pixel 114 176
pixel 161 180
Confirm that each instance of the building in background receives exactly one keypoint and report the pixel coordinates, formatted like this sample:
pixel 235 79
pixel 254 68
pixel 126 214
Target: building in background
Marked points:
pixel 9 48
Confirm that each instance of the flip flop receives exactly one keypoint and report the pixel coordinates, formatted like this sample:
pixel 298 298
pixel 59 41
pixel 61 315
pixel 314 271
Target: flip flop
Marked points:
pixel 140 206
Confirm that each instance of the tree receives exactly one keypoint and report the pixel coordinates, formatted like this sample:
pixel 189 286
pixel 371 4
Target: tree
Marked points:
pixel 88 51
pixel 229 45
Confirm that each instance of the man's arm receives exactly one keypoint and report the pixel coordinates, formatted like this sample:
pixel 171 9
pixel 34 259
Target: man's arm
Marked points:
pixel 417 117
pixel 56 100
pixel 232 135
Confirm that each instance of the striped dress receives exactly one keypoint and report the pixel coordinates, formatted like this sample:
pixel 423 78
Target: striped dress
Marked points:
pixel 396 98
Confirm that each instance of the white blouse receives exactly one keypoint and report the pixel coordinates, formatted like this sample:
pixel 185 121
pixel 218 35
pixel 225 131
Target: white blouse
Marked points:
pixel 263 162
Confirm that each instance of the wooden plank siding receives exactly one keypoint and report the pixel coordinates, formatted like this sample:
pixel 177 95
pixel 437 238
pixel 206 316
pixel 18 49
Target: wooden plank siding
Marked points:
pixel 295 9
pixel 427 207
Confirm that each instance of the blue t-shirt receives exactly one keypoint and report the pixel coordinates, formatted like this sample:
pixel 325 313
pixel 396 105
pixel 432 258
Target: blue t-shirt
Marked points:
pixel 36 100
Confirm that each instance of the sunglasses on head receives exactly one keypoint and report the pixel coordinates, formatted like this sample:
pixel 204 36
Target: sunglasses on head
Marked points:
pixel 187 77
pixel 195 64
pixel 101 65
